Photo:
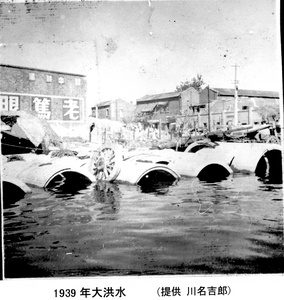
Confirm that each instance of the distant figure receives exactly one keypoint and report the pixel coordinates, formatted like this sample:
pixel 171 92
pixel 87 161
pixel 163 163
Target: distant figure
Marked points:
pixel 229 125
pixel 180 132
pixel 91 129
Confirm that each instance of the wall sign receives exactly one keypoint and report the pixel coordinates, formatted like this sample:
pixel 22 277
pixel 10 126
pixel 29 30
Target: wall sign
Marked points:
pixel 64 109
pixel 9 102
pixel 71 109
pixel 42 106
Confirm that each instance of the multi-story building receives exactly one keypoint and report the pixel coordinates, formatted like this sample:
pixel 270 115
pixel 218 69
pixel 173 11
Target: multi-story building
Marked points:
pixel 115 110
pixel 246 98
pixel 58 97
pixel 251 105
pixel 163 108
pixel 207 108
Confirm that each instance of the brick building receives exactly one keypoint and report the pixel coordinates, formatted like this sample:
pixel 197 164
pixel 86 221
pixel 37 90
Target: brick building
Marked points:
pixel 246 98
pixel 207 108
pixel 115 110
pixel 221 111
pixel 58 97
pixel 207 93
pixel 165 107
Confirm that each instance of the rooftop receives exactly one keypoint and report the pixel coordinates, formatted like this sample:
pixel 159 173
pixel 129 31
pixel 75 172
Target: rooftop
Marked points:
pixel 108 102
pixel 159 96
pixel 42 70
pixel 104 103
pixel 247 93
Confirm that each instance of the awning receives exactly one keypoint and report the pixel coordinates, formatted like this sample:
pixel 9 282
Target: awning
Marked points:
pixel 149 107
pixel 139 109
pixel 162 103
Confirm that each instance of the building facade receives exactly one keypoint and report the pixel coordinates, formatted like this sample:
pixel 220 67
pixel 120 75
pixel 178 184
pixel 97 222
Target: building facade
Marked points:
pixel 58 97
pixel 246 98
pixel 207 95
pixel 208 108
pixel 220 107
pixel 115 110
pixel 163 108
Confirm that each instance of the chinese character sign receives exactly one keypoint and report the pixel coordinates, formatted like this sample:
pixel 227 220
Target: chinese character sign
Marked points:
pixel 9 103
pixel 42 107
pixel 71 109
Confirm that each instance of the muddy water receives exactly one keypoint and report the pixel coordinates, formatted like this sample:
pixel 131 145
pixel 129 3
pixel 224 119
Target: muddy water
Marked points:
pixel 193 227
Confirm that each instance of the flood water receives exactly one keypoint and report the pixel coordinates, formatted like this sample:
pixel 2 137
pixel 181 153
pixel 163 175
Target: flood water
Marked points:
pixel 103 229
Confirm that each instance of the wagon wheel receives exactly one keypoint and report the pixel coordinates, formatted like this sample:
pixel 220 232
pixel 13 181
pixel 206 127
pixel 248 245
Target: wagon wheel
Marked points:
pixel 273 140
pixel 105 164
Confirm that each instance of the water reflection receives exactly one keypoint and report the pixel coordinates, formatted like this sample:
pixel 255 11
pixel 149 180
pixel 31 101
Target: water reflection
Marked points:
pixel 158 188
pixel 108 194
pixel 193 227
pixel 70 186
pixel 11 194
pixel 157 182
pixel 271 179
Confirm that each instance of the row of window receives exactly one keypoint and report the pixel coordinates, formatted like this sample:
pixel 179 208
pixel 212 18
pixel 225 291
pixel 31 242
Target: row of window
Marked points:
pixel 120 113
pixel 49 79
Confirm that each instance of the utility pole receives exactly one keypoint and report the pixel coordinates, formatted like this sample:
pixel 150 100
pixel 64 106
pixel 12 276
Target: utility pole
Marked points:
pixel 209 121
pixel 236 120
pixel 98 80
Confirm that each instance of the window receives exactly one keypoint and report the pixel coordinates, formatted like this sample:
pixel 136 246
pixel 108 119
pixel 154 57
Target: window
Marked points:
pixel 77 81
pixel 61 80
pixel 48 78
pixel 32 76
pixel 244 107
pixel 121 113
pixel 107 112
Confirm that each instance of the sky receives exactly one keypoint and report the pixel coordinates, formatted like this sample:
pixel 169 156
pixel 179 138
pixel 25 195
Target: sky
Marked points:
pixel 131 49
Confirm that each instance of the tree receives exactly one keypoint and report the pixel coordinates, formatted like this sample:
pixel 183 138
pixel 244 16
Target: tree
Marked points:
pixel 268 112
pixel 196 82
